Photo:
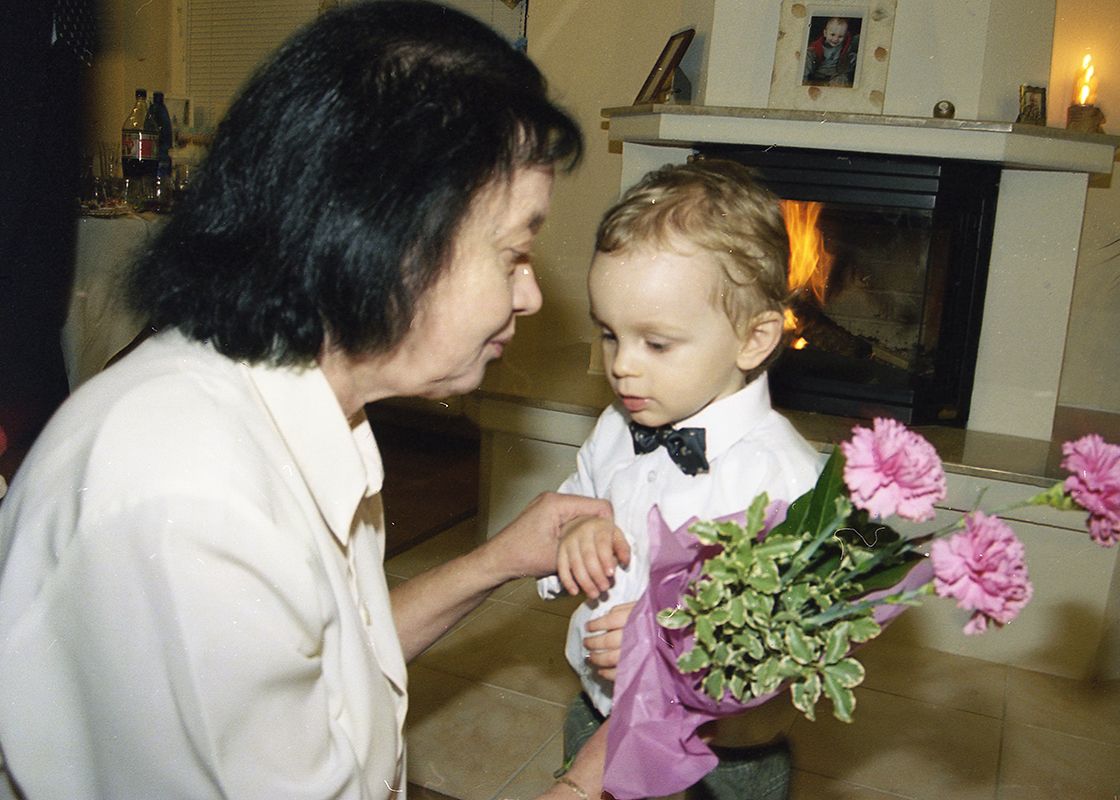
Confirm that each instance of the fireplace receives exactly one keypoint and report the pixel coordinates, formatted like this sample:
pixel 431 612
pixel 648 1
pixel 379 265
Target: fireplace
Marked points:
pixel 888 271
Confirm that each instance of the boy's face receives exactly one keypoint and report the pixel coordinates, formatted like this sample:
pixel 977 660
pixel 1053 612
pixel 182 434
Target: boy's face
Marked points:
pixel 834 32
pixel 668 349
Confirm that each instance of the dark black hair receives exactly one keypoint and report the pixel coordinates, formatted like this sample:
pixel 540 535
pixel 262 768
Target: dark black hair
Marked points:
pixel 335 184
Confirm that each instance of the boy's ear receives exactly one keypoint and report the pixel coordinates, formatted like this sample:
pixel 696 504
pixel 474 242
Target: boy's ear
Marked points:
pixel 761 337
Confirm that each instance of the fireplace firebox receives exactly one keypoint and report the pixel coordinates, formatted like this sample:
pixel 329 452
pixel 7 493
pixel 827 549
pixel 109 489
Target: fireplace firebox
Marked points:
pixel 888 272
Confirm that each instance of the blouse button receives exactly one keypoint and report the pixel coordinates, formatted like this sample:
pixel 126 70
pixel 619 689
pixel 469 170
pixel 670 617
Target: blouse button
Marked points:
pixel 364 610
pixel 651 477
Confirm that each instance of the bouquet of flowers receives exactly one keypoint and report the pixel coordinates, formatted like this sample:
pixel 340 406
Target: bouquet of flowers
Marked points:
pixel 776 599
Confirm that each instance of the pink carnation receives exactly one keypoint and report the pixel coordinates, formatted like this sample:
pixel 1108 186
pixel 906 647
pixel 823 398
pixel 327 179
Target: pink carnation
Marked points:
pixel 1095 484
pixel 984 568
pixel 892 470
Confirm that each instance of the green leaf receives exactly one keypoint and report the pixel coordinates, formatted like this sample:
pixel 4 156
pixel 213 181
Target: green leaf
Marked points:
pixel 800 647
pixel 805 695
pixel 673 618
pixel 848 673
pixel 759 605
pixel 756 514
pixel 864 629
pixel 794 597
pixel 694 660
pixel 737 611
pixel 766 678
pixel 705 632
pixel 706 531
pixel 836 643
pixel 737 685
pixel 773 641
pixel 843 699
pixel 751 643
pixel 713 684
pixel 778 547
pixel 888 576
pixel 720 569
pixel 720 615
pixel 765 576
pixel 709 593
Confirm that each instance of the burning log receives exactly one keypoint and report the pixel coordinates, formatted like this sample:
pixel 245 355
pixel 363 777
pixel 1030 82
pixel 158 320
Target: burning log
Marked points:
pixel 824 334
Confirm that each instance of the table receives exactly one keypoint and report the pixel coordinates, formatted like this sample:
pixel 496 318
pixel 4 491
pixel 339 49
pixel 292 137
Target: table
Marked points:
pixel 99 323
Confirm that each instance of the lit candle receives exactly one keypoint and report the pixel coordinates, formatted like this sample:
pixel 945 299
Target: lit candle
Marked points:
pixel 1083 115
pixel 1085 85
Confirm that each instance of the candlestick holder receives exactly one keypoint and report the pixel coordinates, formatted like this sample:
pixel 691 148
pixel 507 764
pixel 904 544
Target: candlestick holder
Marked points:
pixel 1084 119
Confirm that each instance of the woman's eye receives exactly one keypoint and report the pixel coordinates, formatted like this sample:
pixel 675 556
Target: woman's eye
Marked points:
pixel 657 347
pixel 607 336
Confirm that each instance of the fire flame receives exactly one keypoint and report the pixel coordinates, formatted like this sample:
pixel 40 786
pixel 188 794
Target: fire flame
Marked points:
pixel 1085 85
pixel 809 261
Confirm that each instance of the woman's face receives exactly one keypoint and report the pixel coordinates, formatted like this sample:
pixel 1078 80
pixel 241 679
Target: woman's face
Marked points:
pixel 466 319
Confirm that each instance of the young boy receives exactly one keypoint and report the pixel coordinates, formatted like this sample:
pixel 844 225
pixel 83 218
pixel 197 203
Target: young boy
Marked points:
pixel 687 286
pixel 830 59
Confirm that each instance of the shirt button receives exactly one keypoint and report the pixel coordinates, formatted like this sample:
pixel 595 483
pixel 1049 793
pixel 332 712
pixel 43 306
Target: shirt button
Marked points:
pixel 651 477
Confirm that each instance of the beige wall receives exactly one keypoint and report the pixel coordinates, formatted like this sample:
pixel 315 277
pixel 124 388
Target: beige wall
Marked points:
pixel 596 54
pixel 1091 371
pixel 134 52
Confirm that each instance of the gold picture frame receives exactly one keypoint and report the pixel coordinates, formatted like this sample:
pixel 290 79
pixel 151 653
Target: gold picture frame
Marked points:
pixel 832 55
pixel 1032 105
pixel 659 83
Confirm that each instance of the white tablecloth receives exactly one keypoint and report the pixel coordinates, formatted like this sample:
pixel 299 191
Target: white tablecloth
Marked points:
pixel 99 323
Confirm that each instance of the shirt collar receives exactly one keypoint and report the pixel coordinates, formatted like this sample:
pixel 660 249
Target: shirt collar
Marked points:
pixel 337 460
pixel 729 419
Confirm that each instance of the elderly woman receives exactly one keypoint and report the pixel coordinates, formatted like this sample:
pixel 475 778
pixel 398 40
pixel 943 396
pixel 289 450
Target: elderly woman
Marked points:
pixel 192 599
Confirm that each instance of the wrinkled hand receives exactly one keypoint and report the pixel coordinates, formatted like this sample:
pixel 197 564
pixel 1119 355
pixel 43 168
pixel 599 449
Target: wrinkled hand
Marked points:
pixel 604 646
pixel 590 550
pixel 529 545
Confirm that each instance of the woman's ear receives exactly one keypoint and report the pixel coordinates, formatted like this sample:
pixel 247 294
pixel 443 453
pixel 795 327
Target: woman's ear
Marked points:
pixel 763 334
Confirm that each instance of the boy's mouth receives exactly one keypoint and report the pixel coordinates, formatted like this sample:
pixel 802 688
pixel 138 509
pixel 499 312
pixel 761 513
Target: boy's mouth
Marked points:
pixel 633 404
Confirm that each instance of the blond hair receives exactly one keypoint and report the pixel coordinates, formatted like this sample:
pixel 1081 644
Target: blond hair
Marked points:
pixel 719 207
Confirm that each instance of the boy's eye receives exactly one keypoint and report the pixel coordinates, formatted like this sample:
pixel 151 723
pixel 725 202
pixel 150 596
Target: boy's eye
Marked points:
pixel 657 347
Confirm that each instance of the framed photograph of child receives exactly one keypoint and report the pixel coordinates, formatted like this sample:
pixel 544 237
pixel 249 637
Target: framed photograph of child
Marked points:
pixel 1032 105
pixel 659 82
pixel 832 55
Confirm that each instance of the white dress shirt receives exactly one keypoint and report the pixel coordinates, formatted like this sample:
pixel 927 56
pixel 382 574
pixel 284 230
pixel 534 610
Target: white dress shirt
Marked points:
pixel 192 599
pixel 750 448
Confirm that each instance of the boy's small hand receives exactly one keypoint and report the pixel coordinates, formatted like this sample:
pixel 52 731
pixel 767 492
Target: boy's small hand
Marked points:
pixel 590 549
pixel 604 645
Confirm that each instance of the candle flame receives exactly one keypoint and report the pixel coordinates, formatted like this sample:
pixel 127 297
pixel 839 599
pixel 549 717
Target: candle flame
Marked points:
pixel 1085 84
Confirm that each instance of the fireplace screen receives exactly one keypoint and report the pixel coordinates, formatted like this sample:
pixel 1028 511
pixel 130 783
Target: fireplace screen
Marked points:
pixel 888 265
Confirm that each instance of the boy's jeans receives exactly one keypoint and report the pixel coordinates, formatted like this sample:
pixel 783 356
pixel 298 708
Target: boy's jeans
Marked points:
pixel 758 773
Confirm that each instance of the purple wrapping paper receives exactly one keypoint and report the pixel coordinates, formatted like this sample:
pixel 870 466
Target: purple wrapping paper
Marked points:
pixel 652 744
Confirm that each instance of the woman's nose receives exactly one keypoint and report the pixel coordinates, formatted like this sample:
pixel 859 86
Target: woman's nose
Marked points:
pixel 526 292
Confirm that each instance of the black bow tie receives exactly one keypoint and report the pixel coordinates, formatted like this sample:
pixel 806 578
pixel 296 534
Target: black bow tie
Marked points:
pixel 684 445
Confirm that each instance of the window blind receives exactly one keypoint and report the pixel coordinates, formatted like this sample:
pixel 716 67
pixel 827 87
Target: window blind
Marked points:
pixel 227 39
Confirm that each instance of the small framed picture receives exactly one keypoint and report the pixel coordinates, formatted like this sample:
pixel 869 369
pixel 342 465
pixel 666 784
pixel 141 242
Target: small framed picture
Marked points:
pixel 660 81
pixel 832 55
pixel 1032 105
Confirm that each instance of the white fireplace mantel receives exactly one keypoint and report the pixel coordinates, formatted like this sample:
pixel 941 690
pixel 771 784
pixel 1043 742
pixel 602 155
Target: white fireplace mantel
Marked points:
pixel 1039 214
pixel 1007 143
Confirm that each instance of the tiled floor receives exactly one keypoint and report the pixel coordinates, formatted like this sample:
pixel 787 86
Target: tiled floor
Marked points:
pixel 488 700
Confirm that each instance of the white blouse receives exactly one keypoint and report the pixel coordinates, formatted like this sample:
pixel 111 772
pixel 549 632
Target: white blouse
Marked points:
pixel 192 599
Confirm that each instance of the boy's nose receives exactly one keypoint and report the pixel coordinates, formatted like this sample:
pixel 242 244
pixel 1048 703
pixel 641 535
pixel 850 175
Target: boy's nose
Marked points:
pixel 527 297
pixel 623 364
